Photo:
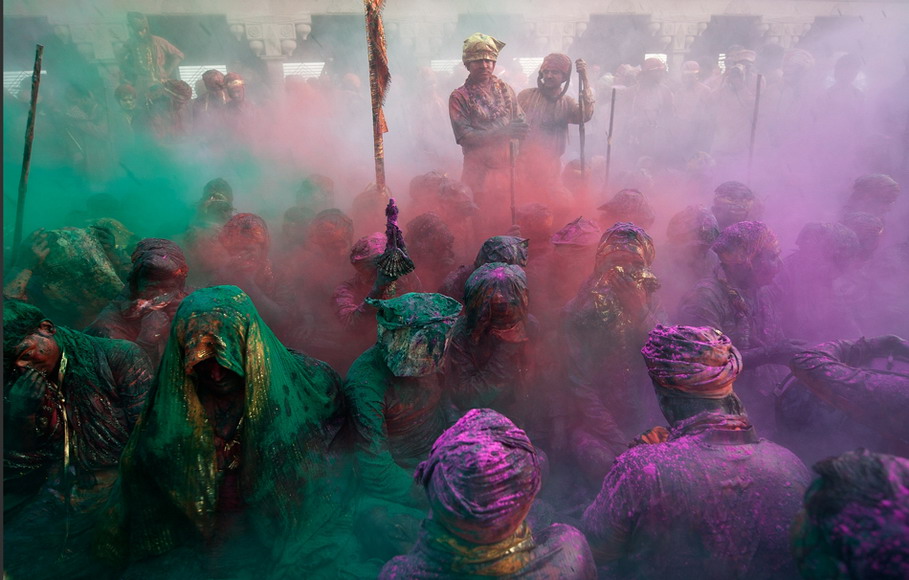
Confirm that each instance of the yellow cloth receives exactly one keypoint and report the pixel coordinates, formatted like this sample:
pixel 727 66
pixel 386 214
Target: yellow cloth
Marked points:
pixel 479 46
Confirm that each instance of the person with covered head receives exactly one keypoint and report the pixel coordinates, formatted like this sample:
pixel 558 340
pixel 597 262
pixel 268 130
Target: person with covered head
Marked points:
pixel 146 59
pixel 489 360
pixel 688 257
pixel 233 470
pixel 651 113
pixel 394 391
pixel 627 205
pixel 486 117
pixel 874 193
pixel 481 478
pixel 200 241
pixel 70 402
pixel 733 202
pixel 352 309
pixel 738 300
pixel 733 105
pixel 505 249
pixel 166 119
pixel 854 524
pixel 811 308
pixel 705 498
pixel 603 327
pixel 144 309
pixel 69 273
pixel 430 245
pixel 549 111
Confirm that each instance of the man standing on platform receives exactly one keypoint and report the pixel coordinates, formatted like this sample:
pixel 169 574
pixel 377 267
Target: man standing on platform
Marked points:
pixel 549 110
pixel 486 117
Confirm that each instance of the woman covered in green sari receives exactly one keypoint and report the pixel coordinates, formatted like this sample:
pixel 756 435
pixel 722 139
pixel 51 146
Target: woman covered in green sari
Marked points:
pixel 235 468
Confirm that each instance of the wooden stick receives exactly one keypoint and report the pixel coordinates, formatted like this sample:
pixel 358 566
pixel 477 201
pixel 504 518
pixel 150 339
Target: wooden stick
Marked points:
pixel 754 120
pixel 27 152
pixel 582 135
pixel 609 140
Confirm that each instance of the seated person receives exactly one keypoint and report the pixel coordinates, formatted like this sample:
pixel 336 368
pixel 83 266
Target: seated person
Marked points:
pixel 481 479
pixel 70 403
pixel 143 311
pixel 232 469
pixel 489 356
pixel 506 249
pixel 394 392
pixel 854 523
pixel 707 499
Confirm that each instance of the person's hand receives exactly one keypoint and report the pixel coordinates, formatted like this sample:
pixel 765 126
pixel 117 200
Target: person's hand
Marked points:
pixel 782 352
pixel 24 395
pixel 630 294
pixel 581 67
pixel 891 344
pixel 155 325
pixel 36 250
pixel 518 129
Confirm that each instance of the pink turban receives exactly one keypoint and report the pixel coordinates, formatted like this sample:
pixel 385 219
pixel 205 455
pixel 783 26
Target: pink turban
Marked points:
pixel 691 361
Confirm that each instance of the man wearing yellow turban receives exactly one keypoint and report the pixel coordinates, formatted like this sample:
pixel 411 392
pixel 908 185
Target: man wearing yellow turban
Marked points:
pixel 485 117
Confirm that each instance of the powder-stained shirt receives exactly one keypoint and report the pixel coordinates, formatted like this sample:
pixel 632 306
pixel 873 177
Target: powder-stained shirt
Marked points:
pixel 714 501
pixel 549 119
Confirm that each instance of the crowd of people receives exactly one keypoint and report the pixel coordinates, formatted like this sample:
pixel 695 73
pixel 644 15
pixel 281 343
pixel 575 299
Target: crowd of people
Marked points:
pixel 542 395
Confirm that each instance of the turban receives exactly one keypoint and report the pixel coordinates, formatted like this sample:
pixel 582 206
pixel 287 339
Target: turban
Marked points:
pixel 243 229
pixel 507 249
pixel 213 79
pixel 691 361
pixel 629 205
pixel 744 238
pixel 415 329
pixel 833 241
pixel 653 63
pixel 481 477
pixel 218 186
pixel 233 80
pixel 691 67
pixel 157 259
pixel 557 61
pixel 479 46
pixel 497 300
pixel 798 58
pixel 625 237
pixel 136 19
pixel 733 190
pixel 368 248
pixel 694 224
pixel 125 90
pixel 580 232
pixel 876 185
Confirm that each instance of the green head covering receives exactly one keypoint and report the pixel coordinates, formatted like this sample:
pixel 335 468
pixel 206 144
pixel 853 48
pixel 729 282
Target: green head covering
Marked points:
pixel 20 319
pixel 414 330
pixel 288 476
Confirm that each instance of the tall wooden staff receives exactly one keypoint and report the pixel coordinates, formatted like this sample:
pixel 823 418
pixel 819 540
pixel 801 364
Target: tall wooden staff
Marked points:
pixel 379 78
pixel 27 152
pixel 582 135
pixel 754 119
pixel 609 140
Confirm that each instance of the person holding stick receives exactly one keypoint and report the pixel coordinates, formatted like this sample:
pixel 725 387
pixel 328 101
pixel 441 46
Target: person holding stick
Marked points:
pixel 486 117
pixel 549 111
